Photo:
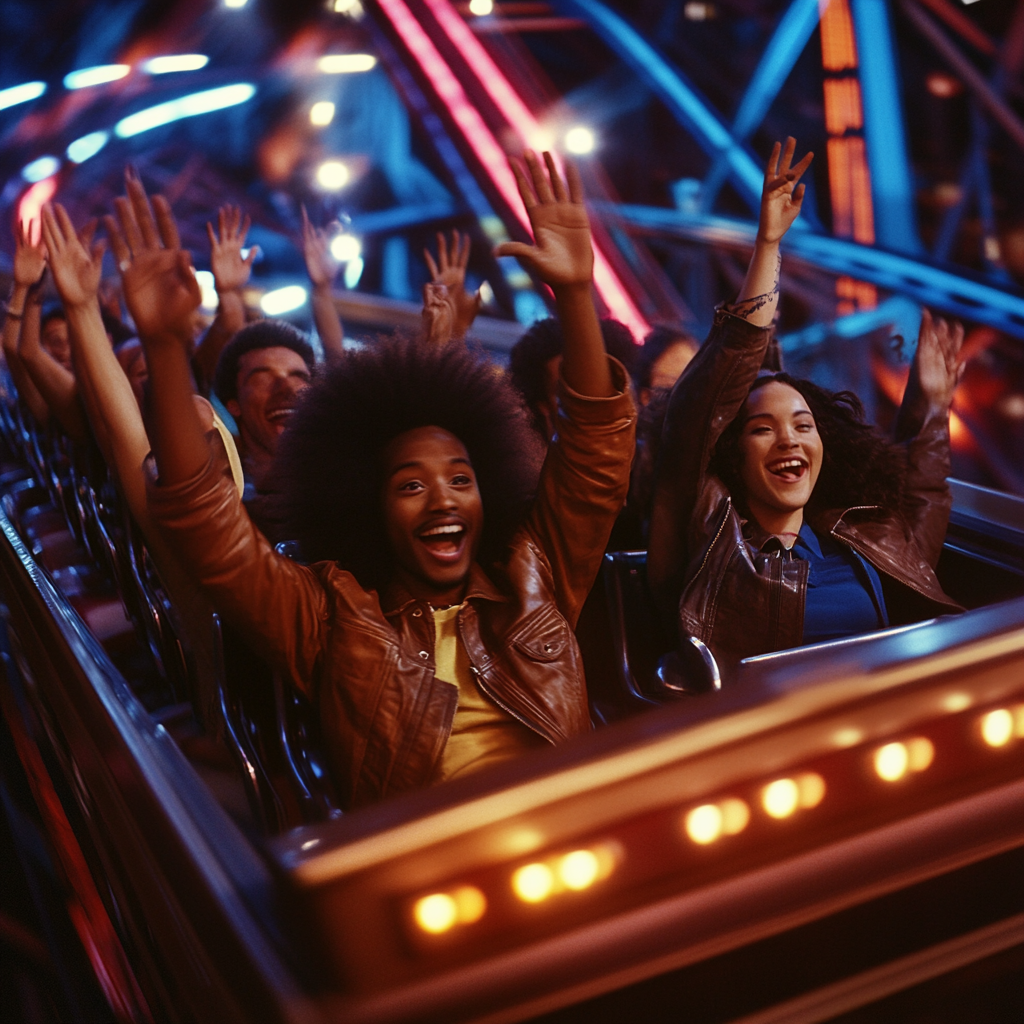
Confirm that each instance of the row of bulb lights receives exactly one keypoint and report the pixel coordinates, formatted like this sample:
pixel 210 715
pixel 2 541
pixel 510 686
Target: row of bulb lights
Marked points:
pixel 578 870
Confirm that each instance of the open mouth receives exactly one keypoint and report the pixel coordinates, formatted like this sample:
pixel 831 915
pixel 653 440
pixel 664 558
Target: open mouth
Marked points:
pixel 444 541
pixel 280 417
pixel 789 470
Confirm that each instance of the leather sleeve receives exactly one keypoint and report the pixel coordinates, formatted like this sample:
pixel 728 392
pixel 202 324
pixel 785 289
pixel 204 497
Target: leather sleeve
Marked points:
pixel 704 401
pixel 583 487
pixel 927 497
pixel 279 606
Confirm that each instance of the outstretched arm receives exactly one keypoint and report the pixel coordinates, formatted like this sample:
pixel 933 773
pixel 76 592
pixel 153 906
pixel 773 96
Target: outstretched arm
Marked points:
pixel 230 275
pixel 29 265
pixel 711 392
pixel 450 270
pixel 109 401
pixel 781 199
pixel 161 291
pixel 54 382
pixel 563 258
pixel 924 423
pixel 585 477
pixel 322 268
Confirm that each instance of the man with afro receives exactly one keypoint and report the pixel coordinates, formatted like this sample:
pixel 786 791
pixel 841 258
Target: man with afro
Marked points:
pixel 434 628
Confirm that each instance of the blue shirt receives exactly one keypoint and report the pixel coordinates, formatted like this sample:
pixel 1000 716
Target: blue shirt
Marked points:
pixel 844 591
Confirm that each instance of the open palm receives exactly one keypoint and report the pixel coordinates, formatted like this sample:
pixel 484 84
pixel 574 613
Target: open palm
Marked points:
pixel 29 259
pixel 159 284
pixel 76 262
pixel 562 253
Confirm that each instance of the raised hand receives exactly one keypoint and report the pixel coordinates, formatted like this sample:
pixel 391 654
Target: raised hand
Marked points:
pixel 438 314
pixel 781 197
pixel 937 360
pixel 230 271
pixel 561 254
pixel 75 260
pixel 157 278
pixel 29 259
pixel 450 271
pixel 321 266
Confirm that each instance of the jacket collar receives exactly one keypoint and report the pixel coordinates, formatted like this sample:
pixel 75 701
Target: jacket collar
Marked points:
pixel 396 598
pixel 821 522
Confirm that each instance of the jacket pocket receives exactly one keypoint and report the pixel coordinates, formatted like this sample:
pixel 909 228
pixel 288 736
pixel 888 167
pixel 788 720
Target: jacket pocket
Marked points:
pixel 544 638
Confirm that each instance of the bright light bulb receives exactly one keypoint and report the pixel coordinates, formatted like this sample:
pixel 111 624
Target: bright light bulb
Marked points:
pixel 41 168
pixel 437 913
pixel 735 816
pixel 95 76
pixel 175 62
pixel 579 869
pixel 345 248
pixel 533 883
pixel 920 753
pixel 892 761
pixel 332 175
pixel 812 789
pixel 283 300
pixel 16 94
pixel 481 8
pixel 353 272
pixel 321 113
pixel 209 299
pixel 781 798
pixel 580 140
pixel 235 3
pixel 88 145
pixel 704 824
pixel 470 904
pixel 997 728
pixel 353 8
pixel 346 63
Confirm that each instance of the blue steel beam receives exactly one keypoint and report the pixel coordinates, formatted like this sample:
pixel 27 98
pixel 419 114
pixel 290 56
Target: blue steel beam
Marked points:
pixel 781 53
pixel 932 286
pixel 892 189
pixel 898 313
pixel 672 88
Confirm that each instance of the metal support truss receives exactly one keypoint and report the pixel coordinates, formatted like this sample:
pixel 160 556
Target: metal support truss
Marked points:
pixel 953 293
pixel 892 190
pixel 675 91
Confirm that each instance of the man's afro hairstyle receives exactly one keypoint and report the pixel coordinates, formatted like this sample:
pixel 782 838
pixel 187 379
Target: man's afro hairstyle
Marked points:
pixel 329 466
pixel 261 334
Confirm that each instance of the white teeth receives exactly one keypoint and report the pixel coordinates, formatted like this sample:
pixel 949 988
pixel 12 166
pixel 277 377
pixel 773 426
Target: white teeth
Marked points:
pixel 785 467
pixel 453 528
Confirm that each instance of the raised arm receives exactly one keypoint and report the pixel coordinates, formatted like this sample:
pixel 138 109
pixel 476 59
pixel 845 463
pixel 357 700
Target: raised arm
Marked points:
pixel 586 472
pixel 781 199
pixel 161 291
pixel 110 403
pixel 322 268
pixel 29 266
pixel 924 425
pixel 714 386
pixel 55 383
pixel 230 275
pixel 563 258
pixel 450 270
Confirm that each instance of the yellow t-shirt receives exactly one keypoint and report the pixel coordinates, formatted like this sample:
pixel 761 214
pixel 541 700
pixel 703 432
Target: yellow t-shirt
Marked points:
pixel 482 733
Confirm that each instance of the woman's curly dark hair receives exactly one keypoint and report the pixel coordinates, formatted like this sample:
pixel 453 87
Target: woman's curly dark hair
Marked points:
pixel 859 465
pixel 328 473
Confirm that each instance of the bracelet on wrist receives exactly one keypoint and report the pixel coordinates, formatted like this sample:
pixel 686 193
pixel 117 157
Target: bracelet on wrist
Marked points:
pixel 13 315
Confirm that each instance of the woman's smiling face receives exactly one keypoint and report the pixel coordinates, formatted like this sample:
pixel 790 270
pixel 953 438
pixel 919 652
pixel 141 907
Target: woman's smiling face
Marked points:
pixel 781 452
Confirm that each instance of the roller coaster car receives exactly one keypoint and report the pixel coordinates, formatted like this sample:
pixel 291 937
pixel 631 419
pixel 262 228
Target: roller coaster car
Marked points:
pixel 839 830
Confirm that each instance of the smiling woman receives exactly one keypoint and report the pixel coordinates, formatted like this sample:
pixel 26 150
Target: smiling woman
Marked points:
pixel 792 521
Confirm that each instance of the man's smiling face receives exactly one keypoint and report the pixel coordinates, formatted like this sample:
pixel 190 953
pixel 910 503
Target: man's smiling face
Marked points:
pixel 269 383
pixel 433 512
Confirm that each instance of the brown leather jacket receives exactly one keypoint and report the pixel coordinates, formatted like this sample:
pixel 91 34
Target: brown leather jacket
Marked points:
pixel 728 583
pixel 367 660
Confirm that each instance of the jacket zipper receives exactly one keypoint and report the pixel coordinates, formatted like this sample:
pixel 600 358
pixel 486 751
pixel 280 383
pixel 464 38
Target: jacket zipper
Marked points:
pixel 711 546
